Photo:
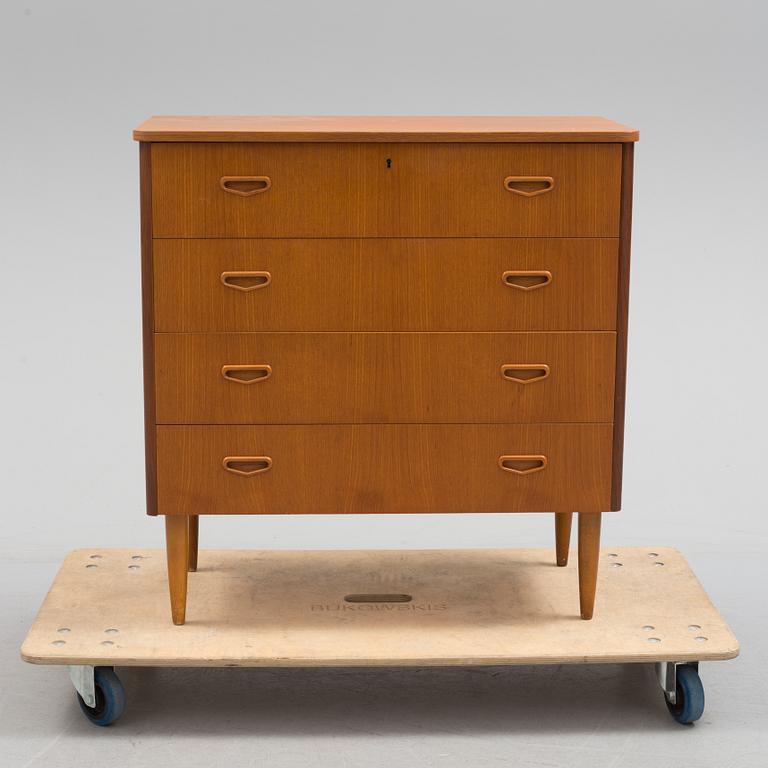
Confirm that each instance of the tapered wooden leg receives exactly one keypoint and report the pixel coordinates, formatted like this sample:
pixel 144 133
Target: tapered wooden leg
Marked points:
pixel 194 526
pixel 589 555
pixel 562 536
pixel 177 551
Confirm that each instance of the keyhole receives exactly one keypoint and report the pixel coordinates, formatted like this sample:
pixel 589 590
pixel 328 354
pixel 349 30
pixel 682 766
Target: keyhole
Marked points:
pixel 389 162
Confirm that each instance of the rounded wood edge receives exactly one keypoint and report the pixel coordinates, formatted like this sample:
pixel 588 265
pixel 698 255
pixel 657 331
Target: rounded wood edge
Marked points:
pixel 233 137
pixel 523 457
pixel 261 459
pixel 525 367
pixel 266 369
pixel 545 273
pixel 224 277
pixel 527 179
pixel 266 180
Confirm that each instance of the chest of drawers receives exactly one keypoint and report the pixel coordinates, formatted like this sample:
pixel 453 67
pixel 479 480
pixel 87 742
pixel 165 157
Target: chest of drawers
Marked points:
pixel 384 315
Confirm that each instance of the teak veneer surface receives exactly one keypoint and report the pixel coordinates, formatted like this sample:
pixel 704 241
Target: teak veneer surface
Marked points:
pixel 148 326
pixel 330 303
pixel 622 321
pixel 376 469
pixel 386 284
pixel 385 190
pixel 383 128
pixel 384 377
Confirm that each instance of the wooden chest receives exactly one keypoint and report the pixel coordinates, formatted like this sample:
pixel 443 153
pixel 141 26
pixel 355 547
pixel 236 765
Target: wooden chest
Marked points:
pixel 384 315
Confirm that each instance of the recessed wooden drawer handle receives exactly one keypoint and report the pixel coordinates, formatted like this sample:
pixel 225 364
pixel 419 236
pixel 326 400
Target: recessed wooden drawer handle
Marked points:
pixel 529 186
pixel 247 465
pixel 526 279
pixel 522 465
pixel 245 186
pixel 246 374
pixel 525 374
pixel 246 281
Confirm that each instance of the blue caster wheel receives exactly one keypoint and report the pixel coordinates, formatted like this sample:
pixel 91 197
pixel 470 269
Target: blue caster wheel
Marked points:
pixel 110 698
pixel 689 701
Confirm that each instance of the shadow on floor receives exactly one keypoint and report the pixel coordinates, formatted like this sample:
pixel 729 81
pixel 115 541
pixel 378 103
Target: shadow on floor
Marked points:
pixel 328 702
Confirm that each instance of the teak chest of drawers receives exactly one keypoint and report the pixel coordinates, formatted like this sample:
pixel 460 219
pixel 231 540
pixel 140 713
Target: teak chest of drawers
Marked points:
pixel 375 315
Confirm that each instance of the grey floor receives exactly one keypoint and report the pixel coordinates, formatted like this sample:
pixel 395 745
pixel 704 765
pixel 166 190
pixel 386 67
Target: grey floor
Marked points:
pixel 598 716
pixel 82 74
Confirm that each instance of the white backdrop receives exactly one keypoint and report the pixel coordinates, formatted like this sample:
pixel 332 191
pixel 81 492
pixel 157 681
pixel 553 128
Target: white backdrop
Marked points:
pixel 77 76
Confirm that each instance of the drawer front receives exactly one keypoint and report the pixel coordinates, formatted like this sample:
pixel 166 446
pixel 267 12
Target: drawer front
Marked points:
pixel 322 378
pixel 385 190
pixel 387 284
pixel 396 468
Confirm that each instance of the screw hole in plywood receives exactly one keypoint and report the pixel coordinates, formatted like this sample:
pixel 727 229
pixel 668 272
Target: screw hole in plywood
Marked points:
pixel 134 567
pixel 111 631
pixel 59 642
pixel 378 598
pixel 612 554
pixel 654 639
pixel 91 565
pixel 701 639
pixel 653 554
pixel 95 557
pixel 137 557
pixel 63 630
pixel 694 627
pixel 617 565
pixel 658 564
pixel 648 628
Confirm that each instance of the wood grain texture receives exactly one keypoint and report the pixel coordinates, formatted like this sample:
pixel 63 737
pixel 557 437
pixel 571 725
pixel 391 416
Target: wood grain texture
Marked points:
pixel 388 284
pixel 375 469
pixel 563 522
pixel 194 542
pixel 177 557
pixel 589 560
pixel 147 317
pixel 277 608
pixel 622 324
pixel 383 128
pixel 349 190
pixel 327 378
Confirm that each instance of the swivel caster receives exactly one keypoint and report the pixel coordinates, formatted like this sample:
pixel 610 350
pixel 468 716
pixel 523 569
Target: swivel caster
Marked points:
pixel 107 702
pixel 683 691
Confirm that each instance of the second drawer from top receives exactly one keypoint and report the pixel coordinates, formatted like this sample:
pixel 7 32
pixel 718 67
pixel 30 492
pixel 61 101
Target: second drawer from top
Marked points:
pixel 320 378
pixel 386 284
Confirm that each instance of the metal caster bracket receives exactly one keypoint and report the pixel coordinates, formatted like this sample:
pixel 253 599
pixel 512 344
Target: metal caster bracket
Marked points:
pixel 82 677
pixel 666 673
pixel 671 627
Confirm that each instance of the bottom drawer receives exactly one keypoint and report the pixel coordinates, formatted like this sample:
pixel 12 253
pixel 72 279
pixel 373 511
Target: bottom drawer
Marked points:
pixel 383 468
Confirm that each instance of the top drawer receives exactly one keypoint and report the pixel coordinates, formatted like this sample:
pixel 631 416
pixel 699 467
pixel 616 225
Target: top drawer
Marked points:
pixel 385 190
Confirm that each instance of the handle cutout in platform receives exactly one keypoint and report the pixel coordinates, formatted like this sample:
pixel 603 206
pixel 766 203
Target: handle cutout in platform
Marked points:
pixel 246 374
pixel 247 465
pixel 378 598
pixel 529 186
pixel 525 373
pixel 523 465
pixel 245 186
pixel 246 281
pixel 526 279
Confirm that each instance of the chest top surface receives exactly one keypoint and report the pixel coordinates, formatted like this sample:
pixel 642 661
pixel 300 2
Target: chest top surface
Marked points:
pixel 564 129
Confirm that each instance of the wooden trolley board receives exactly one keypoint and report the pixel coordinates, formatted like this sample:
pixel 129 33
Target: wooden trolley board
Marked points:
pixel 290 608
